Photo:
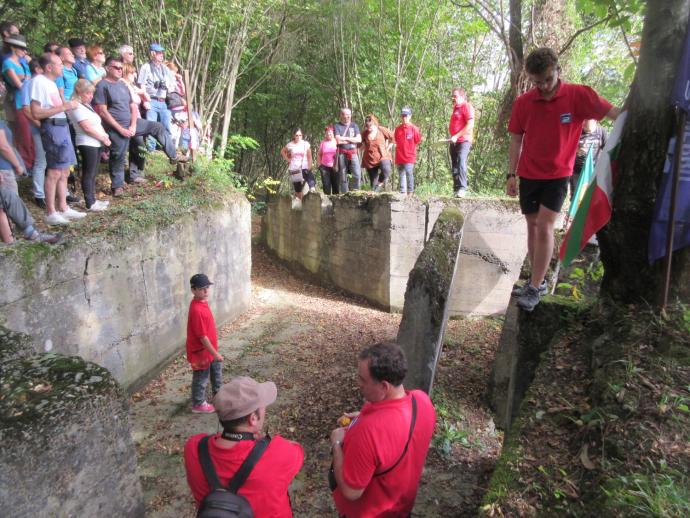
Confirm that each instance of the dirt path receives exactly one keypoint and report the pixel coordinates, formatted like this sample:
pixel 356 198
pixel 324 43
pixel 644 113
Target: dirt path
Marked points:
pixel 306 339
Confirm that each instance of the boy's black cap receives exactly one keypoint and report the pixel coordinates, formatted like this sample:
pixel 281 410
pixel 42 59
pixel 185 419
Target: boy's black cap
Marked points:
pixel 76 42
pixel 199 281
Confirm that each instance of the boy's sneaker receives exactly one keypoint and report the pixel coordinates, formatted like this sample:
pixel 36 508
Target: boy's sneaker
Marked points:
pixel 203 408
pixel 529 299
pixel 56 218
pixel 461 193
pixel 70 214
pixel 520 291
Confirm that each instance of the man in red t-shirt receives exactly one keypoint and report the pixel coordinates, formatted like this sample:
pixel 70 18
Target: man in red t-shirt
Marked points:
pixel 460 130
pixel 202 346
pixel 545 127
pixel 241 407
pixel 407 138
pixel 377 463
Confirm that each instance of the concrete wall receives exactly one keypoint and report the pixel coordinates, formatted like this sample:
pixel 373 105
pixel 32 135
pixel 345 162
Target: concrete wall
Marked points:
pixel 123 303
pixel 65 435
pixel 367 244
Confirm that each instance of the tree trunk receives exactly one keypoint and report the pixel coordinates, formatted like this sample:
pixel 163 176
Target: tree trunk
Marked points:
pixel 628 277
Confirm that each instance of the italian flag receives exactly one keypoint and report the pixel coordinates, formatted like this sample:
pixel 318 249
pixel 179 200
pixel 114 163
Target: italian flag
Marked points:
pixel 594 211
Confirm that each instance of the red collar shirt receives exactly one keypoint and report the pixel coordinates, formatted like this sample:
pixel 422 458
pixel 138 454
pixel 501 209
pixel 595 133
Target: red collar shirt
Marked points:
pixel 551 128
pixel 462 114
pixel 407 138
pixel 200 322
pixel 372 444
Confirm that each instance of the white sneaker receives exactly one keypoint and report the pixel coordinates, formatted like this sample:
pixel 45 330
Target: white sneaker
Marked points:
pixel 305 189
pixel 99 206
pixel 461 193
pixel 71 214
pixel 56 219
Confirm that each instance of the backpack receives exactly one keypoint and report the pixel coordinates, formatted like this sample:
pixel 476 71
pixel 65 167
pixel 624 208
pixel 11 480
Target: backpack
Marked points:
pixel 224 502
pixel 174 100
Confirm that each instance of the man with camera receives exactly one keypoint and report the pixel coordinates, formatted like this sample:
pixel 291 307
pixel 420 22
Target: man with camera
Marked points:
pixel 157 80
pixel 378 458
pixel 113 102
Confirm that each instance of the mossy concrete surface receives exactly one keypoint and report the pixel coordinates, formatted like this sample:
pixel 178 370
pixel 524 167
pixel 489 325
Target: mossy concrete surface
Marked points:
pixel 121 301
pixel 65 435
pixel 367 244
pixel 426 300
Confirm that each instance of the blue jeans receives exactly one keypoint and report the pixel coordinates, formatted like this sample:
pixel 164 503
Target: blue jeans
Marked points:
pixel 159 112
pixel 352 166
pixel 458 158
pixel 200 381
pixel 406 172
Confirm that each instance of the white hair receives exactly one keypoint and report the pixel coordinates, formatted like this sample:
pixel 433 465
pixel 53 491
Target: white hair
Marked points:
pixel 346 110
pixel 124 49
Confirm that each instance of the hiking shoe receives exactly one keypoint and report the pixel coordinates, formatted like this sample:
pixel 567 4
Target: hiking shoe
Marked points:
pixel 461 193
pixel 138 179
pixel 520 291
pixel 56 219
pixel 41 202
pixel 203 408
pixel 529 299
pixel 118 192
pixel 378 187
pixel 179 158
pixel 71 198
pixel 42 237
pixel 71 214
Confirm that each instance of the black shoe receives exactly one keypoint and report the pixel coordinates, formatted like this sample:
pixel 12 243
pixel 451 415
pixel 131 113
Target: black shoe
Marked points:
pixel 71 198
pixel 40 202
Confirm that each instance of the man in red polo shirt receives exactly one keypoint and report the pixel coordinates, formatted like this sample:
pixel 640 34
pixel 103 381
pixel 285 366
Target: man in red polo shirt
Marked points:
pixel 378 458
pixel 460 130
pixel 545 127
pixel 241 408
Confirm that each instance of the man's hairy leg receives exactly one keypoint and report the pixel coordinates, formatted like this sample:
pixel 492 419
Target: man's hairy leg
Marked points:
pixel 543 244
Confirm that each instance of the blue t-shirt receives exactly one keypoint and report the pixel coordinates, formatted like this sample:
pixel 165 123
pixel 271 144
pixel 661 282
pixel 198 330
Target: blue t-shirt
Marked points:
pixel 22 71
pixel 93 73
pixel 25 94
pixel 67 81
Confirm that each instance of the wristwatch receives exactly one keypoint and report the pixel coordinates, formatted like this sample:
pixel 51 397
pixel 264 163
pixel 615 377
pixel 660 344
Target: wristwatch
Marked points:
pixel 510 175
pixel 336 443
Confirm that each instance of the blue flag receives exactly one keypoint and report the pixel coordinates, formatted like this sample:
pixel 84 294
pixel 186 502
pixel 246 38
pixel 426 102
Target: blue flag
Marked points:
pixel 657 236
pixel 681 236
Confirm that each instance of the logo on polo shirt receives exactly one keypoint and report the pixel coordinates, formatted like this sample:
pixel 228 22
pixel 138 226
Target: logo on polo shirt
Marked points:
pixel 566 118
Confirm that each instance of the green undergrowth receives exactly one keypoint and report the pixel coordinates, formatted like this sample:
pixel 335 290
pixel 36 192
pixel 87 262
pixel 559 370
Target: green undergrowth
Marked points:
pixel 604 428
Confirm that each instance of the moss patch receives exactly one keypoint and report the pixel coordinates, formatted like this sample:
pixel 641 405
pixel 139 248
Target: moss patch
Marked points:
pixel 38 391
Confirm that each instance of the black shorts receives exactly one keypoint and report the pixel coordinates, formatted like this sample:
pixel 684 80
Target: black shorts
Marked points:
pixel 549 193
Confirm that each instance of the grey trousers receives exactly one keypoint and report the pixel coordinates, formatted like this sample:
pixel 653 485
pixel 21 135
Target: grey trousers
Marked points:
pixel 13 205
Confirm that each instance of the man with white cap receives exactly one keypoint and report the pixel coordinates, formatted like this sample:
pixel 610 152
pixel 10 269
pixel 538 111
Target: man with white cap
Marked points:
pixel 241 408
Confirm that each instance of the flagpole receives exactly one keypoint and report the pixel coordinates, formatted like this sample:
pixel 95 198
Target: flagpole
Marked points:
pixel 680 133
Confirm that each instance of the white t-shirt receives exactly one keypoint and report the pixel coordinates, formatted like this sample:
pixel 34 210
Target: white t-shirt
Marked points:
pixel 46 93
pixel 85 113
pixel 298 155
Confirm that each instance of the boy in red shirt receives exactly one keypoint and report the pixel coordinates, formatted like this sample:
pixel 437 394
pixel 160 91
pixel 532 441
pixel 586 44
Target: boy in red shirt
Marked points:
pixel 407 138
pixel 202 346
pixel 545 127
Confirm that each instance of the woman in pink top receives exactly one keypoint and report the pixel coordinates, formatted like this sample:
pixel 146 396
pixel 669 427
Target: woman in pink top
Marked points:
pixel 297 153
pixel 326 159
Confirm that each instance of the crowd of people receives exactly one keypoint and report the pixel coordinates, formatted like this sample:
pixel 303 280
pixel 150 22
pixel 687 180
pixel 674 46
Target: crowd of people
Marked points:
pixel 345 149
pixel 69 109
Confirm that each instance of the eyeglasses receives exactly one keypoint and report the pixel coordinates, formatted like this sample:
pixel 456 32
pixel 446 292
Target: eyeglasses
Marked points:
pixel 115 68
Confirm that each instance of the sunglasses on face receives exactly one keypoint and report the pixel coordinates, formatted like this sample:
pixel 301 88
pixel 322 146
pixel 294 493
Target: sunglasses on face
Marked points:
pixel 115 68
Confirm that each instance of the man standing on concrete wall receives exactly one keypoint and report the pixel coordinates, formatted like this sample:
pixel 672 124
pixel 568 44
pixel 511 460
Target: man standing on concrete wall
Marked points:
pixel 460 130
pixel 348 137
pixel 545 127
pixel 378 458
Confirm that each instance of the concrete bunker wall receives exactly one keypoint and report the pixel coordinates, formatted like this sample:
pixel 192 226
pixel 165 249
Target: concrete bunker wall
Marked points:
pixel 368 244
pixel 122 303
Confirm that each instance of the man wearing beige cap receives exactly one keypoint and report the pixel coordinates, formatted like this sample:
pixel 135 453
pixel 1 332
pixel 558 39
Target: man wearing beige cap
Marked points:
pixel 241 408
